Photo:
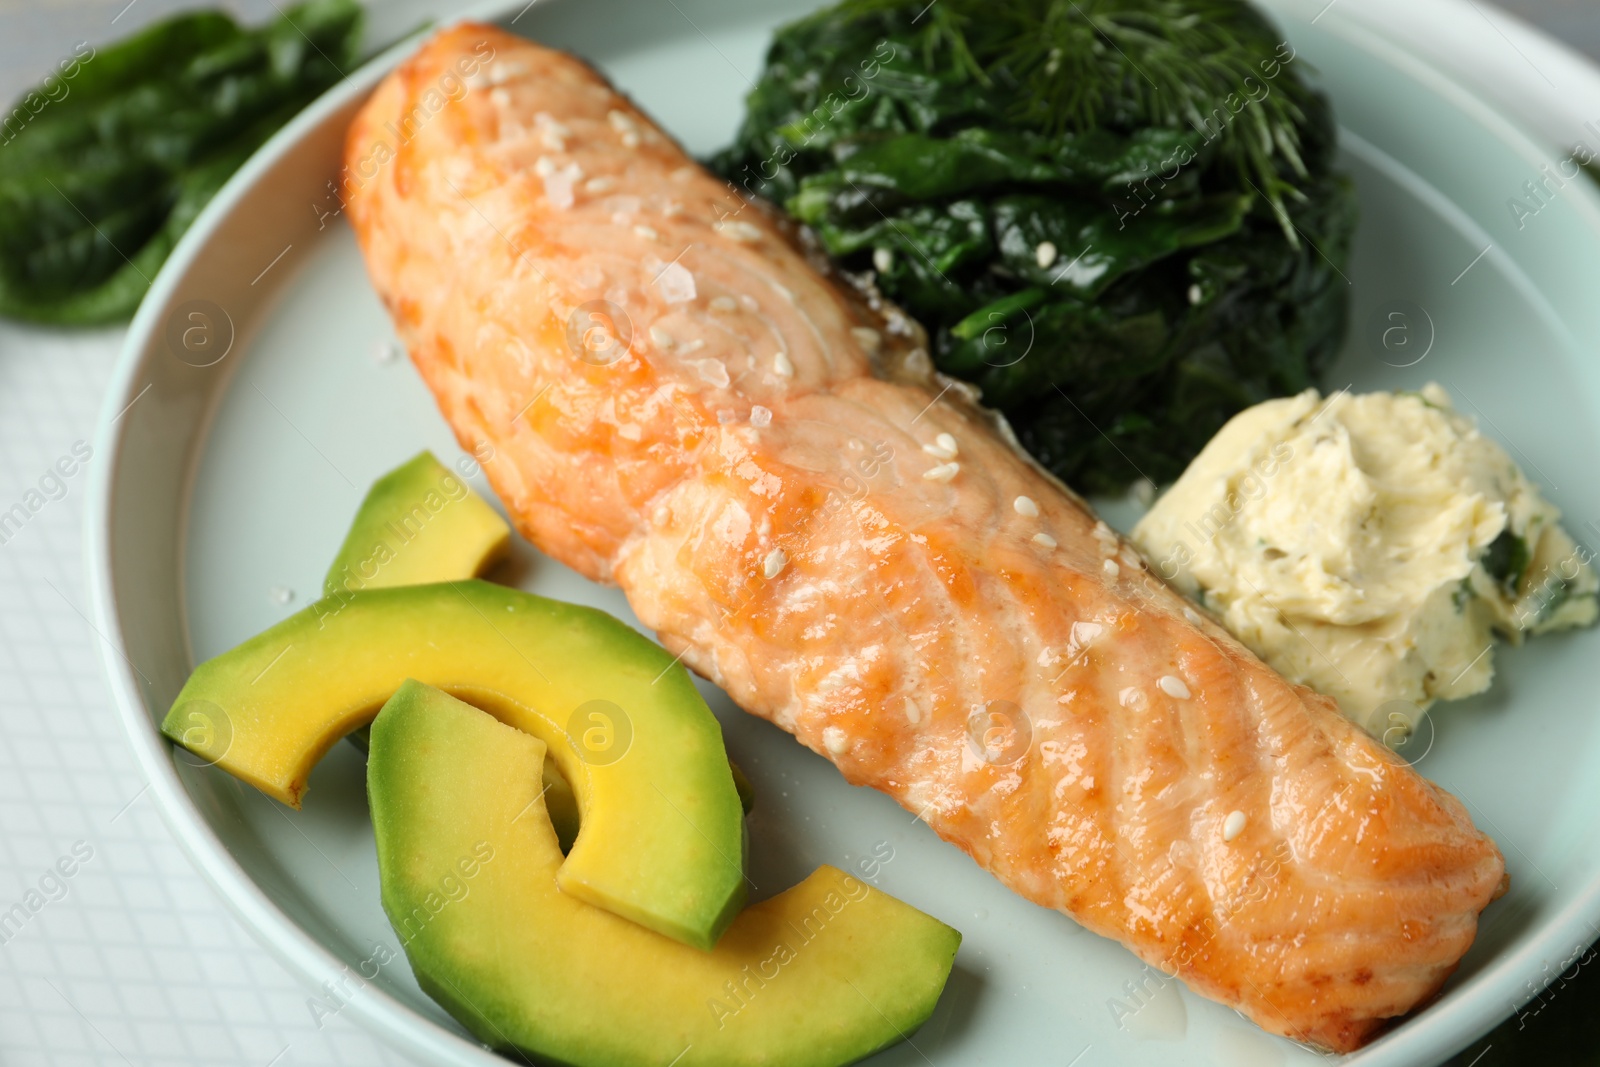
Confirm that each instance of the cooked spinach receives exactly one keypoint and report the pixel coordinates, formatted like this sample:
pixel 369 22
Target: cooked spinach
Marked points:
pixel 1121 218
pixel 101 179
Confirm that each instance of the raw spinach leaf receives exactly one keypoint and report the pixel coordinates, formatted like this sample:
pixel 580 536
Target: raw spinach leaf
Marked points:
pixel 98 185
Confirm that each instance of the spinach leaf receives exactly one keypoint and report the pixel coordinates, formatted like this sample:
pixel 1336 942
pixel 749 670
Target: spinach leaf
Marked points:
pixel 99 184
pixel 1120 218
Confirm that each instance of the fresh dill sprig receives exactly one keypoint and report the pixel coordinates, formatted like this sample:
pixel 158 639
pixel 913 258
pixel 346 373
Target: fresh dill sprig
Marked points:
pixel 1074 65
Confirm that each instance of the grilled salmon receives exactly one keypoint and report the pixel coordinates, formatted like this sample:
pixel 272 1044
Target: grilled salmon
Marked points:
pixel 680 398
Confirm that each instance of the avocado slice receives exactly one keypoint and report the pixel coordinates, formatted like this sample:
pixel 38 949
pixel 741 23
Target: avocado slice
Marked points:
pixel 818 976
pixel 419 523
pixel 661 841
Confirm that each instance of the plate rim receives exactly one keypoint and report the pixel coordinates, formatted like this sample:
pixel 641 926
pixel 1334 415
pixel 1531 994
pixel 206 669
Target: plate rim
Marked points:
pixel 1454 1025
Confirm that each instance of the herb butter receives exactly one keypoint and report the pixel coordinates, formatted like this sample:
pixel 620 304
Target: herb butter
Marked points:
pixel 1369 547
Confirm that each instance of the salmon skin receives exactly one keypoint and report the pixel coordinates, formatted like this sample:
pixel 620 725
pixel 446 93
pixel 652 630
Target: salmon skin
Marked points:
pixel 679 399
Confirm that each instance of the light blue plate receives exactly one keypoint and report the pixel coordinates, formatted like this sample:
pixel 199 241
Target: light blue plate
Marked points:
pixel 228 487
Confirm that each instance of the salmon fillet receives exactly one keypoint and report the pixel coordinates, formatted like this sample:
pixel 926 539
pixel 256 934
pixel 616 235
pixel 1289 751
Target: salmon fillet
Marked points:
pixel 679 399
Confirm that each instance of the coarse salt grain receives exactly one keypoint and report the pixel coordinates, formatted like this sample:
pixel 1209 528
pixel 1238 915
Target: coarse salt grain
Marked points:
pixel 711 371
pixel 558 185
pixel 1111 568
pixel 835 740
pixel 781 366
pixel 676 283
pixel 760 416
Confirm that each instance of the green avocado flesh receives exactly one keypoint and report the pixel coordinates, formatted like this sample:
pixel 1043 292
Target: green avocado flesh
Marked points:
pixel 820 975
pixel 662 833
pixel 419 523
pixel 451 534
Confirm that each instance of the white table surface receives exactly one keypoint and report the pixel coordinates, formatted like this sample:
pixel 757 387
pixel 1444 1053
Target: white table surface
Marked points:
pixel 138 962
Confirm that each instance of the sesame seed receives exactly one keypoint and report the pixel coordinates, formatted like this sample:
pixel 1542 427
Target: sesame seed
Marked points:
pixel 1044 540
pixel 913 713
pixel 630 140
pixel 775 563
pixel 760 416
pixel 944 472
pixel 660 338
pixel 1234 826
pixel 1173 686
pixel 602 184
pixel 738 229
pixel 835 740
pixel 1194 294
pixel 647 233
pixel 544 166
pixel 1111 568
pixel 1044 255
pixel 620 120
pixel 1192 615
pixel 943 447
pixel 883 260
pixel 1024 505
pixel 781 365
pixel 724 303
pixel 868 338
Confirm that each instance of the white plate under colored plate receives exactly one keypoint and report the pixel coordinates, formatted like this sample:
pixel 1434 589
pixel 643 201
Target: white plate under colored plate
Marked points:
pixel 226 489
